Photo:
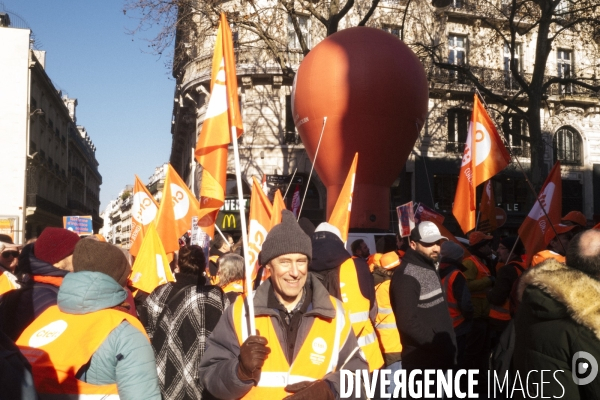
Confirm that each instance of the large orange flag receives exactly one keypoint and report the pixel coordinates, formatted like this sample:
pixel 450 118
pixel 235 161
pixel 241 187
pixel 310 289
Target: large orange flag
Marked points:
pixel 487 209
pixel 533 229
pixel 151 266
pixel 222 115
pixel 175 216
pixel 143 212
pixel 484 156
pixel 340 216
pixel 259 225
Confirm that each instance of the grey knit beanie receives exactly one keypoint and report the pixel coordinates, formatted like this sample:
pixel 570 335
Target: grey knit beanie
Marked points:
pixel 285 238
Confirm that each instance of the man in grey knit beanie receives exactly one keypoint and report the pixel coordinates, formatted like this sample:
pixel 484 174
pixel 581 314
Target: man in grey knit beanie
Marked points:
pixel 294 315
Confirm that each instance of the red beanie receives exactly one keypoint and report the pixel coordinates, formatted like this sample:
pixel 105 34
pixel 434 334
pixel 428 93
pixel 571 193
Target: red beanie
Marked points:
pixel 55 244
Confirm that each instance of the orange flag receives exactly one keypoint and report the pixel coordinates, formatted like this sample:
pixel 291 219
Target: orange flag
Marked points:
pixel 222 115
pixel 487 209
pixel 175 217
pixel 278 206
pixel 151 266
pixel 143 212
pixel 259 225
pixel 533 230
pixel 484 156
pixel 340 216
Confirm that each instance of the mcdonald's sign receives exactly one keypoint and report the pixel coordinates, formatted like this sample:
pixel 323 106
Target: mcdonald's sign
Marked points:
pixel 229 221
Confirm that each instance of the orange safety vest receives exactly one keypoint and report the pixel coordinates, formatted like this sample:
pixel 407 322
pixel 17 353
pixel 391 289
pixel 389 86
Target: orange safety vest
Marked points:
pixel 358 307
pixel 482 272
pixel 8 282
pixel 317 357
pixel 58 344
pixel 502 313
pixel 385 322
pixel 447 282
pixel 214 280
pixel 235 286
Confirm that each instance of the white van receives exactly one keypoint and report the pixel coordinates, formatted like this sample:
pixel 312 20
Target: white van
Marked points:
pixel 369 238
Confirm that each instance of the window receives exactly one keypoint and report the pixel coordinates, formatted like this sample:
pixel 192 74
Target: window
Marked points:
pixel 444 189
pixel 393 29
pixel 509 80
pixel 567 146
pixel 514 129
pixel 458 126
pixel 457 54
pixel 304 23
pixel 291 136
pixel 564 59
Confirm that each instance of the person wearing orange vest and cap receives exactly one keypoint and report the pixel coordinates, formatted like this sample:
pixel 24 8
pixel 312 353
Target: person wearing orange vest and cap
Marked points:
pixel 231 275
pixel 88 346
pixel 556 245
pixel 385 322
pixel 507 276
pixel 458 296
pixel 350 280
pixel 303 339
pixel 575 218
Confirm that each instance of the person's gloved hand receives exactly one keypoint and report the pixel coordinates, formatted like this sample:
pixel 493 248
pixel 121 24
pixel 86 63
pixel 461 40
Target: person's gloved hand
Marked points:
pixel 317 390
pixel 253 353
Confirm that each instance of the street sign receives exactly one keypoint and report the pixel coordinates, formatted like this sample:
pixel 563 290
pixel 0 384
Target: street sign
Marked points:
pixel 284 179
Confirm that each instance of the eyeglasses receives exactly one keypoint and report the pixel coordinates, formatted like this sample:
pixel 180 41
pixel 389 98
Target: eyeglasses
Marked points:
pixel 7 254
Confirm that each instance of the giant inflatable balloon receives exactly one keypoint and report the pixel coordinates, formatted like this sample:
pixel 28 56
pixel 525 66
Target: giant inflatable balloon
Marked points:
pixel 373 90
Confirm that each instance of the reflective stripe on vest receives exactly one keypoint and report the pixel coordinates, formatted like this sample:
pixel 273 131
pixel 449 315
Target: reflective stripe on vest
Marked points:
pixel 502 313
pixel 385 322
pixel 45 342
pixel 482 272
pixel 8 282
pixel 358 307
pixel 235 286
pixel 318 354
pixel 447 282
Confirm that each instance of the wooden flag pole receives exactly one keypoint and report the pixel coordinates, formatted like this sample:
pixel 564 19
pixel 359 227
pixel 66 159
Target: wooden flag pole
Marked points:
pixel 242 207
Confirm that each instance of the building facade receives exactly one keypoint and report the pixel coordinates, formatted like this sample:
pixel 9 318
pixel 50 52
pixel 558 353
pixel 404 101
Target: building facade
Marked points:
pixel 463 34
pixel 41 132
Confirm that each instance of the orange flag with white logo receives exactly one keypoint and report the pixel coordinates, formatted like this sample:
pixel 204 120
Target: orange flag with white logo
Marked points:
pixel 222 116
pixel 177 207
pixel 143 212
pixel 533 230
pixel 278 207
pixel 487 209
pixel 259 225
pixel 340 216
pixel 484 156
pixel 151 266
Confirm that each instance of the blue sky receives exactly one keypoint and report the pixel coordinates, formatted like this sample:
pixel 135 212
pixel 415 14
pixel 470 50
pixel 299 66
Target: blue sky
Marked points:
pixel 125 95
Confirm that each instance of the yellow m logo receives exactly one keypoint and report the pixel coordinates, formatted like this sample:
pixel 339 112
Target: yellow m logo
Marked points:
pixel 228 220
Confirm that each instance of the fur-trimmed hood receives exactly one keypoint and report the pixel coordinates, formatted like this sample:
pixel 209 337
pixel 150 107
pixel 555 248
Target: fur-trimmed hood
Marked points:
pixel 576 291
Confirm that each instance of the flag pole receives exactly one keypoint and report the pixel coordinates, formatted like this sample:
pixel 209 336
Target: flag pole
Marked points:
pixel 290 184
pixel 312 167
pixel 513 249
pixel 221 233
pixel 242 206
pixel 512 156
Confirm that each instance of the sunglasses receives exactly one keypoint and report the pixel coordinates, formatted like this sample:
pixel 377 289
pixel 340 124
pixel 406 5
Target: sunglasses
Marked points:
pixel 7 254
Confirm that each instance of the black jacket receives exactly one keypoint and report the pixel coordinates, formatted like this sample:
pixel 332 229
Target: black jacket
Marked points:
pixel 422 317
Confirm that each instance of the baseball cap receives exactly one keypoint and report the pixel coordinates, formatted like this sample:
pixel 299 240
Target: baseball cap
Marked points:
pixel 576 217
pixel 390 260
pixel 560 228
pixel 477 237
pixel 426 232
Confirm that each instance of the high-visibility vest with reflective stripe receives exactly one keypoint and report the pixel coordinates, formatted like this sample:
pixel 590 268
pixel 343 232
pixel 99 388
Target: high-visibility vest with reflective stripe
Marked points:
pixel 447 282
pixel 235 286
pixel 8 282
pixel 482 272
pixel 214 280
pixel 385 322
pixel 502 313
pixel 358 307
pixel 317 356
pixel 58 344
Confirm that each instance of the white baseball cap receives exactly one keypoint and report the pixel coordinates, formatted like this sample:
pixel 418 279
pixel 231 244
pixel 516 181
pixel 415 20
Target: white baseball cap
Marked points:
pixel 427 232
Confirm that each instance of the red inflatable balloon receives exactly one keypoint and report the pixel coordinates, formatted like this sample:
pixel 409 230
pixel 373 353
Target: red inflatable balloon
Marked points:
pixel 373 90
